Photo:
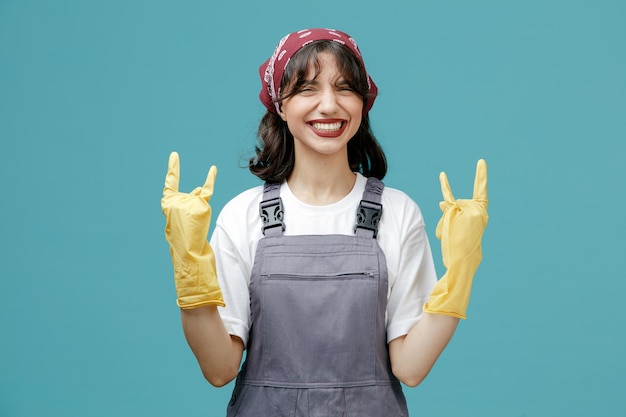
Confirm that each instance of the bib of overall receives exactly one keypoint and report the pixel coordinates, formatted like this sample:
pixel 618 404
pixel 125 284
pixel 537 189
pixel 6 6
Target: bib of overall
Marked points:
pixel 317 345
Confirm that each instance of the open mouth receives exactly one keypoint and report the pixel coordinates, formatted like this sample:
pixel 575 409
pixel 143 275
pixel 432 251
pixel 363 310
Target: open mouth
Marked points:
pixel 327 127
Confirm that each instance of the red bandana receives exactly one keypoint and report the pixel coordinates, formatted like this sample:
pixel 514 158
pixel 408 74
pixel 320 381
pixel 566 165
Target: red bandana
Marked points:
pixel 272 70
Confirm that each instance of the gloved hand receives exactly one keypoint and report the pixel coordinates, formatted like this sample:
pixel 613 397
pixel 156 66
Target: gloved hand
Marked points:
pixel 460 231
pixel 188 217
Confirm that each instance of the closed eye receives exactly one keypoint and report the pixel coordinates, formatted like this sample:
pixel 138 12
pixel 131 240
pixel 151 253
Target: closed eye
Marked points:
pixel 344 86
pixel 308 86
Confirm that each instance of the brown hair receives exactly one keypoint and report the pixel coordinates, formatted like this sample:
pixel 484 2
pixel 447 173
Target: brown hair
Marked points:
pixel 275 155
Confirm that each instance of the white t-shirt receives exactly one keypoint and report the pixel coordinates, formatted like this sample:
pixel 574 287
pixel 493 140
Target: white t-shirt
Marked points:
pixel 401 235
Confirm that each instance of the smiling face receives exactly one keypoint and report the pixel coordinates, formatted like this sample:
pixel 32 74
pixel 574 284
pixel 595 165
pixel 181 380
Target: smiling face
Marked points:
pixel 324 112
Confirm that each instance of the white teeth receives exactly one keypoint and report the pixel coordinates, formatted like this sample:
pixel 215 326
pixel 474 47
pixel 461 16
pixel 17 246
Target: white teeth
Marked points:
pixel 327 127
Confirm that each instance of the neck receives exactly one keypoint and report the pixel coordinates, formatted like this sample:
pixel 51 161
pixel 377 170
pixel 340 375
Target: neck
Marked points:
pixel 321 182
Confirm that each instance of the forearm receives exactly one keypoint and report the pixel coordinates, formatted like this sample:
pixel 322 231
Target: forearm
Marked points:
pixel 218 354
pixel 413 356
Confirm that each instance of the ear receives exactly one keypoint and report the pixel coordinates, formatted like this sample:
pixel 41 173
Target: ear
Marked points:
pixel 282 115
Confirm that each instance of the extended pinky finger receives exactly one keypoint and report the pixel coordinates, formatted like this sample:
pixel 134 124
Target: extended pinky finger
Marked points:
pixel 480 181
pixel 173 173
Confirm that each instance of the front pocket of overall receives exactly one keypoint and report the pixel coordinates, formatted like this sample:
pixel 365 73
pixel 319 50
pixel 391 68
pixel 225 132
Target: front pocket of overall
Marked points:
pixel 319 329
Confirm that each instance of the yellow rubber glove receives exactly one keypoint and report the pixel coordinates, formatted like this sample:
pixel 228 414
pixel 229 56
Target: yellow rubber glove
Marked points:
pixel 188 217
pixel 460 231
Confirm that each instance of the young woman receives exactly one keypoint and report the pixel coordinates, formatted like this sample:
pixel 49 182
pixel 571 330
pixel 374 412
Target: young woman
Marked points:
pixel 324 275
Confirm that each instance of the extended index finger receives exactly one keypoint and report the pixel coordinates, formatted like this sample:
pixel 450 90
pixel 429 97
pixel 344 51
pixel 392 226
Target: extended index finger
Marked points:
pixel 172 178
pixel 207 188
pixel 446 191
pixel 480 181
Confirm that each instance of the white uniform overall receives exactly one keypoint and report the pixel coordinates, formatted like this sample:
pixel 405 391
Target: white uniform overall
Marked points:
pixel 317 344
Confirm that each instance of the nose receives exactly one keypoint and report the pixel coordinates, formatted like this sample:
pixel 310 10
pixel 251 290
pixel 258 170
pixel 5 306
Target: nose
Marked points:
pixel 328 102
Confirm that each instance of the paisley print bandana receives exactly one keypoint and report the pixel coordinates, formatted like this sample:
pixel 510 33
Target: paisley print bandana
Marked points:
pixel 272 70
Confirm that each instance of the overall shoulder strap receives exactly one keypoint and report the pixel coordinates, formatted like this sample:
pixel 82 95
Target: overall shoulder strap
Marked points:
pixel 271 210
pixel 370 209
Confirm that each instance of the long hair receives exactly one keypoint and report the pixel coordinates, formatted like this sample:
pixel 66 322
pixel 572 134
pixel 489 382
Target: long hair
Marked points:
pixel 275 155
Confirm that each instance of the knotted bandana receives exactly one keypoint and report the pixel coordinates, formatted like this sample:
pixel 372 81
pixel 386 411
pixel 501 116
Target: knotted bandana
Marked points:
pixel 272 70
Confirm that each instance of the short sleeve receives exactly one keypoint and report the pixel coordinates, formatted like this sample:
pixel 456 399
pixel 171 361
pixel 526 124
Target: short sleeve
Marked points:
pixel 410 263
pixel 234 243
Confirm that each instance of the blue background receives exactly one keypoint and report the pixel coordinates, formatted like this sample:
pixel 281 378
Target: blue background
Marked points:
pixel 94 96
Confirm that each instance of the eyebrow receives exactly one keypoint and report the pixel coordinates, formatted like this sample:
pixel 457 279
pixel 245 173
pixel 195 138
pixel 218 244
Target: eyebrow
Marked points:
pixel 338 81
